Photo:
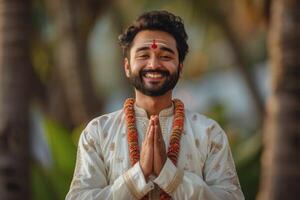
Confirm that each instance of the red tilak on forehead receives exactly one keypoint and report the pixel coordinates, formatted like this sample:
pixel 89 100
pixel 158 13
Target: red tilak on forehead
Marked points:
pixel 154 45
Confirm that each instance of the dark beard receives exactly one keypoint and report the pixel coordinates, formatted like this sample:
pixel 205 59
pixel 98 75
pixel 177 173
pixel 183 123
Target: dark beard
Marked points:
pixel 170 82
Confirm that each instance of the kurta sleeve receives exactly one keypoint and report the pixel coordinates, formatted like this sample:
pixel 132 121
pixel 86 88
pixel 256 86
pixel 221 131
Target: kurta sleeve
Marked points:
pixel 219 182
pixel 90 181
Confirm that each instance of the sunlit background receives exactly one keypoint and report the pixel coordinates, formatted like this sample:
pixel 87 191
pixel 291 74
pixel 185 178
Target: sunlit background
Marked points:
pixel 79 75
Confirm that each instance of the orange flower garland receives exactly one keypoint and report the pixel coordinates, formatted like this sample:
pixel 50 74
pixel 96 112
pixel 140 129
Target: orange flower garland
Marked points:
pixel 174 144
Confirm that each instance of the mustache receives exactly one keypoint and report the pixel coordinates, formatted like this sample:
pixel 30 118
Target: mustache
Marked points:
pixel 163 72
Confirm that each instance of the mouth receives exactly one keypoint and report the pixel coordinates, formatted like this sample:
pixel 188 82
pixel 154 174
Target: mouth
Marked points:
pixel 154 74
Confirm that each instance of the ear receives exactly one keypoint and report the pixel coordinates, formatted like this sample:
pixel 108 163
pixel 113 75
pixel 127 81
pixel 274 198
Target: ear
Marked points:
pixel 127 67
pixel 180 69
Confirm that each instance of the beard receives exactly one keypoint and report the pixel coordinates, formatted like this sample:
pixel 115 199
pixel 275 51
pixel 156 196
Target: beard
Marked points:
pixel 169 83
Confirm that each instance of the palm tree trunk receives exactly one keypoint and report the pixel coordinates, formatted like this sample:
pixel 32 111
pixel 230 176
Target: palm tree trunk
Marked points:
pixel 72 62
pixel 15 78
pixel 280 177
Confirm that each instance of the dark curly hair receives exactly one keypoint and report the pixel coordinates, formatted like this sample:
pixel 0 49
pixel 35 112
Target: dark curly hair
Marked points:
pixel 160 21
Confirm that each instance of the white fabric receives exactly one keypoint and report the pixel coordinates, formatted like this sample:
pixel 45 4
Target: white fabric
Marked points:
pixel 205 168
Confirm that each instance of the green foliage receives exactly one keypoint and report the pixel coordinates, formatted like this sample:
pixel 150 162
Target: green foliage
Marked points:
pixel 248 149
pixel 41 187
pixel 249 177
pixel 218 113
pixel 53 182
pixel 247 159
pixel 61 145
pixel 76 134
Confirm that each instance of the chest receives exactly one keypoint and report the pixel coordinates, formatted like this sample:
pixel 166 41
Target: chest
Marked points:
pixel 116 154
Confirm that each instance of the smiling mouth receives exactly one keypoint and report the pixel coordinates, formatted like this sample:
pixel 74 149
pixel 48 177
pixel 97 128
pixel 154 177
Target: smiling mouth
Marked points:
pixel 154 74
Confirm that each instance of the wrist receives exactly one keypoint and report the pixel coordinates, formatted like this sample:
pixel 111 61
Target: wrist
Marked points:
pixel 159 167
pixel 145 171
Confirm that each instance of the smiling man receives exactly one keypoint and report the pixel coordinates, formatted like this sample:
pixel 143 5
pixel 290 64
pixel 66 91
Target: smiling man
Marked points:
pixel 154 148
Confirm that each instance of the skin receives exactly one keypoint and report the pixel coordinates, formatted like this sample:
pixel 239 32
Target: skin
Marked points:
pixel 164 57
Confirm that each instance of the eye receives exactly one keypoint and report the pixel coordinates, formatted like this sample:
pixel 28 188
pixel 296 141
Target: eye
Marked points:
pixel 142 56
pixel 166 57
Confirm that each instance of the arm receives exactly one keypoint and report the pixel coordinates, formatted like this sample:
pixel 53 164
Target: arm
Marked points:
pixel 90 180
pixel 220 180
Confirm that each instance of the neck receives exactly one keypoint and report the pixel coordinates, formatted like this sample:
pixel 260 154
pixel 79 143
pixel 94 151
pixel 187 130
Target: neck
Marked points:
pixel 153 105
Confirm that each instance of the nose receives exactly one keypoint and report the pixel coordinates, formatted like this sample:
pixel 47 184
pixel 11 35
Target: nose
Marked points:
pixel 153 62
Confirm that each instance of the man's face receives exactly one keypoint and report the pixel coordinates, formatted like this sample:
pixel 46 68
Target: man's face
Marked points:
pixel 153 66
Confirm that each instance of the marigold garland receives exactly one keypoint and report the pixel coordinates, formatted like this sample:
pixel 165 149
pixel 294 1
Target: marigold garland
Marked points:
pixel 174 143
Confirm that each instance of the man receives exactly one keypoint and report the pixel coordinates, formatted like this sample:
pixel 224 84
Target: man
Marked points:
pixel 154 148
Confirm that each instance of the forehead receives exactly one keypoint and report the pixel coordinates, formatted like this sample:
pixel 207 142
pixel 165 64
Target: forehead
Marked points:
pixel 144 37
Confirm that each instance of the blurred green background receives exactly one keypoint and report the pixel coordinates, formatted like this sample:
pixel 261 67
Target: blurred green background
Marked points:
pixel 78 75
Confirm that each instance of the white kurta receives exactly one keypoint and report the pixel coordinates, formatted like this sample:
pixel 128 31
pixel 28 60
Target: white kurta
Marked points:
pixel 205 168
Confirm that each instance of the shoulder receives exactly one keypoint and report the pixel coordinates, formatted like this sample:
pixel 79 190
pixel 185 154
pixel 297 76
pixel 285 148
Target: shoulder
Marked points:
pixel 199 119
pixel 96 126
pixel 102 120
pixel 204 124
pixel 208 131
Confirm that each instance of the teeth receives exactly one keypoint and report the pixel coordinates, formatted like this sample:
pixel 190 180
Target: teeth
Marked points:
pixel 153 75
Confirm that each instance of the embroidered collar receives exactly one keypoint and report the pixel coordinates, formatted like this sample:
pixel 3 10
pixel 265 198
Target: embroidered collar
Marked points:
pixel 167 112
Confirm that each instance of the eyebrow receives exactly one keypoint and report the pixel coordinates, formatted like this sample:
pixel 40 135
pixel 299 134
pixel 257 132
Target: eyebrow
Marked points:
pixel 161 48
pixel 167 49
pixel 142 49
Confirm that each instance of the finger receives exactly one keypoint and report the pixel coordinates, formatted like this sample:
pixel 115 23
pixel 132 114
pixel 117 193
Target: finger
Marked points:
pixel 155 119
pixel 157 134
pixel 150 136
pixel 157 123
pixel 148 128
